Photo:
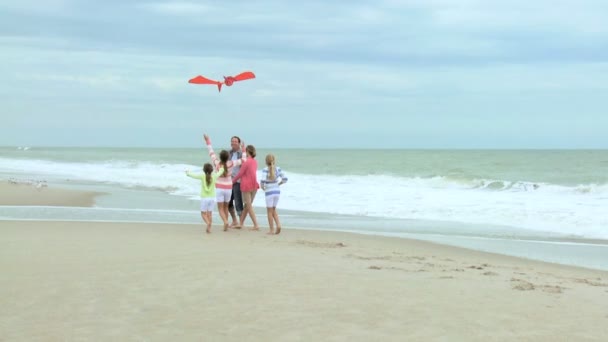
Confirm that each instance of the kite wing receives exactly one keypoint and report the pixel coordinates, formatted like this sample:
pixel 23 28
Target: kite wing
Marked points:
pixel 244 76
pixel 202 80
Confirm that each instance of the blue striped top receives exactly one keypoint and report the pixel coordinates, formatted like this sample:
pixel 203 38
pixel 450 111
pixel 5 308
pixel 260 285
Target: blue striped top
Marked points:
pixel 272 186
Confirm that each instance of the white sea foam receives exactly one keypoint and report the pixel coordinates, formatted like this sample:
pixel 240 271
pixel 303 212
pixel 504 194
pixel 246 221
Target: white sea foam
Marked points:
pixel 580 210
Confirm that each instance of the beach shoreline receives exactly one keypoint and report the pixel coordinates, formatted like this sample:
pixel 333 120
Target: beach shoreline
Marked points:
pixel 78 201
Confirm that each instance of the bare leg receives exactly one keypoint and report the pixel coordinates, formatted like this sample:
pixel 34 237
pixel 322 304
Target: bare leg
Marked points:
pixel 248 198
pixel 210 219
pixel 270 220
pixel 233 215
pixel 246 204
pixel 226 213
pixel 220 208
pixel 207 222
pixel 252 212
pixel 276 219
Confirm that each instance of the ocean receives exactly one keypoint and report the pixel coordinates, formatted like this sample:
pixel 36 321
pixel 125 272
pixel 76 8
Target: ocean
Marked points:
pixel 486 197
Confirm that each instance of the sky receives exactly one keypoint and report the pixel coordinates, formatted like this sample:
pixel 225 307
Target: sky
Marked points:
pixel 329 74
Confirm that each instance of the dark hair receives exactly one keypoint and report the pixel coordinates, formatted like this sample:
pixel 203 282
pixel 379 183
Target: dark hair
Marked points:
pixel 251 150
pixel 224 155
pixel 237 138
pixel 207 169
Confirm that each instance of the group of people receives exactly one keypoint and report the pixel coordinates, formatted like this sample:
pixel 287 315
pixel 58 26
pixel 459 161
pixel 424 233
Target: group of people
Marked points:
pixel 231 181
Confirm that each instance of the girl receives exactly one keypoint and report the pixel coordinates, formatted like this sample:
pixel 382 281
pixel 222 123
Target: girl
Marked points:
pixel 270 184
pixel 224 182
pixel 249 185
pixel 207 192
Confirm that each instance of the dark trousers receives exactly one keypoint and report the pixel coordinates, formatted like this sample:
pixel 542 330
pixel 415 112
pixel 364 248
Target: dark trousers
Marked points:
pixel 236 199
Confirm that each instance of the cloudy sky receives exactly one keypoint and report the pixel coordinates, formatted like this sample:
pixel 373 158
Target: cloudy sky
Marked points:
pixel 379 74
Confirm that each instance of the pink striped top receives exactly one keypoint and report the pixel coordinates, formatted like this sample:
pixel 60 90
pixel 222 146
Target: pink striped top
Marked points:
pixel 224 182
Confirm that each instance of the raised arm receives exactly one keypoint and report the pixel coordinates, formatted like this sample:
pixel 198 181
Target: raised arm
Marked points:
pixel 191 175
pixel 214 159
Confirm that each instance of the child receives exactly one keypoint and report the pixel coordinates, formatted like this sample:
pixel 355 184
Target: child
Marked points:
pixel 270 184
pixel 207 192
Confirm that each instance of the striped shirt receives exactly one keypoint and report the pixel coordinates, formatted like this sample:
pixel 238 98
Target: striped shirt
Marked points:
pixel 224 182
pixel 271 187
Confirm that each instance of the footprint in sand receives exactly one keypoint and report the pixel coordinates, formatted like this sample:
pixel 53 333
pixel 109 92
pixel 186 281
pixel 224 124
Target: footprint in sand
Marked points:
pixel 490 273
pixel 521 285
pixel 398 269
pixel 552 288
pixel 320 244
pixel 369 258
pixel 590 282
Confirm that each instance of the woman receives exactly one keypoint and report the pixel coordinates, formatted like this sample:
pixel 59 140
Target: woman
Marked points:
pixel 249 185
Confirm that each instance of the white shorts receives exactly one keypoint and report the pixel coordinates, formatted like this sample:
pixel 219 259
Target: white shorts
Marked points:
pixel 223 195
pixel 272 201
pixel 207 204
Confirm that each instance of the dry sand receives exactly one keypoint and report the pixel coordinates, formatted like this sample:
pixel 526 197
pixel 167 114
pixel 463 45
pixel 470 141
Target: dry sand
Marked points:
pixel 114 281
pixel 122 281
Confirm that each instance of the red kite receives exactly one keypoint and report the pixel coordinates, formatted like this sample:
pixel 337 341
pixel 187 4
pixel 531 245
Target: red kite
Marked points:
pixel 228 81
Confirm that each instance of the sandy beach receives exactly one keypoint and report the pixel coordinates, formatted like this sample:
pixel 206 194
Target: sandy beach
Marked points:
pixel 125 281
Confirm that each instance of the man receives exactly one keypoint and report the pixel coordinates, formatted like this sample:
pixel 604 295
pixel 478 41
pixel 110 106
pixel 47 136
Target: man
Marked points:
pixel 236 200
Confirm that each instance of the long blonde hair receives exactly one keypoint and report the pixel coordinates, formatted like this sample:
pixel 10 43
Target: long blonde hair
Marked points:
pixel 271 169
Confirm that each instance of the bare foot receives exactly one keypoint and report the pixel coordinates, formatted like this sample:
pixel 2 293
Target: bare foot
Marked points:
pixel 271 232
pixel 226 226
pixel 254 228
pixel 278 230
pixel 209 229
